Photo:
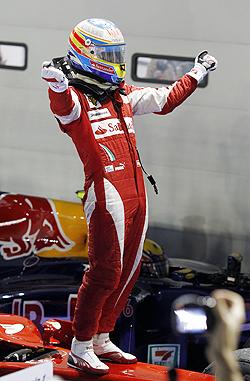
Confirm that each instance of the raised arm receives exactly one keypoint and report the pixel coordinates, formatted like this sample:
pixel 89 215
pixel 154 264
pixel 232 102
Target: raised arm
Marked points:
pixel 164 99
pixel 64 102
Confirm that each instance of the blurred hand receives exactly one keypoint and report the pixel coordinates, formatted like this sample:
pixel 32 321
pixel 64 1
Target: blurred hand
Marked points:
pixel 55 77
pixel 223 340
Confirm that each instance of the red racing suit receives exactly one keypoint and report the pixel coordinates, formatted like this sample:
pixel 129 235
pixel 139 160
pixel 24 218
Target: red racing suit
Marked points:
pixel 115 201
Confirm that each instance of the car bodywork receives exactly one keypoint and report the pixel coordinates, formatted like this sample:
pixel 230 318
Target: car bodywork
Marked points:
pixel 40 226
pixel 43 256
pixel 23 345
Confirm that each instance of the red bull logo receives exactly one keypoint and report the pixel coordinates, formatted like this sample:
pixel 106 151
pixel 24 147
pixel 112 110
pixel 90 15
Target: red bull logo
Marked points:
pixel 29 225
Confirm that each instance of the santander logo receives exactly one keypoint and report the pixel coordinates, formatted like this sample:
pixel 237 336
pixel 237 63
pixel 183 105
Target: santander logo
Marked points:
pixel 106 128
pixel 110 127
pixel 100 131
pixel 98 66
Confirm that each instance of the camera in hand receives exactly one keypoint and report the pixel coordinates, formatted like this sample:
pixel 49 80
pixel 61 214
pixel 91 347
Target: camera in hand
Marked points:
pixel 193 314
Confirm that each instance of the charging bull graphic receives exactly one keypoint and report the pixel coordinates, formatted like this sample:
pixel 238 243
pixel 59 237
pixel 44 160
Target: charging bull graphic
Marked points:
pixel 29 225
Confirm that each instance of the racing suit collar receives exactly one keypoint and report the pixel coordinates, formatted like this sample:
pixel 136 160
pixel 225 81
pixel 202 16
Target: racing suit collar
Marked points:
pixel 99 90
pixel 107 86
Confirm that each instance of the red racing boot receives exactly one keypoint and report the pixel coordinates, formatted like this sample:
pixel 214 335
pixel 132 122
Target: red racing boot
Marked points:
pixel 82 357
pixel 106 350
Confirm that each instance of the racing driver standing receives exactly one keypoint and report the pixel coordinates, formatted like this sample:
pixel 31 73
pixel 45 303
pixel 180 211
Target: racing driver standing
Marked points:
pixel 95 107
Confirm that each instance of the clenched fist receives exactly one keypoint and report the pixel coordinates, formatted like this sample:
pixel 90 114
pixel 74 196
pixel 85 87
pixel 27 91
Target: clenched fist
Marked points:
pixel 55 77
pixel 206 61
pixel 203 63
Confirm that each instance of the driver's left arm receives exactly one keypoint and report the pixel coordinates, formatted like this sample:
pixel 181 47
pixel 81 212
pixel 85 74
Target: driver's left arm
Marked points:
pixel 146 100
pixel 164 99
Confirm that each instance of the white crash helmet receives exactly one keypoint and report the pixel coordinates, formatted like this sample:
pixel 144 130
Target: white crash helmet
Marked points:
pixel 96 46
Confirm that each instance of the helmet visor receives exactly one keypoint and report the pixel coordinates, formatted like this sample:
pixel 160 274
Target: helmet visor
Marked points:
pixel 111 53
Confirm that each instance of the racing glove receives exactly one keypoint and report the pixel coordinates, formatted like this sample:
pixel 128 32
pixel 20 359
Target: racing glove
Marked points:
pixel 55 77
pixel 202 65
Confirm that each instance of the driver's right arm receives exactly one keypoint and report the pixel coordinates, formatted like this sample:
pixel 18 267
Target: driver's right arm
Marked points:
pixel 64 102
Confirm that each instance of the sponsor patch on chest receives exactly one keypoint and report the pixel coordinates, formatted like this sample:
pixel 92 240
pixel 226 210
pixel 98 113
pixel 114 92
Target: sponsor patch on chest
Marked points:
pixel 110 127
pixel 112 168
pixel 93 103
pixel 98 114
